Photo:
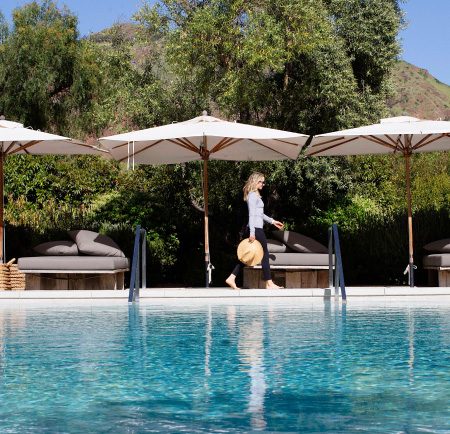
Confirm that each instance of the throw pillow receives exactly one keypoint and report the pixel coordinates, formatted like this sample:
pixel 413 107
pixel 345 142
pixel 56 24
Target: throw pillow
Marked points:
pixel 439 246
pixel 299 243
pixel 275 246
pixel 94 244
pixel 57 248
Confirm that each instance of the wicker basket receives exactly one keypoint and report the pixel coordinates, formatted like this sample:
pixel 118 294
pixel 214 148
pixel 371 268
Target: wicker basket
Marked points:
pixel 10 278
pixel 5 282
pixel 17 279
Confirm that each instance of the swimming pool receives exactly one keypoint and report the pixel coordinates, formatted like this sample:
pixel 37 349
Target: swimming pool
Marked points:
pixel 209 367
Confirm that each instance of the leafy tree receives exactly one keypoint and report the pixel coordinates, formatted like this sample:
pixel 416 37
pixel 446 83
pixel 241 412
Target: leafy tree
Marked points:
pixel 37 65
pixel 369 30
pixel 49 78
pixel 295 64
pixel 3 30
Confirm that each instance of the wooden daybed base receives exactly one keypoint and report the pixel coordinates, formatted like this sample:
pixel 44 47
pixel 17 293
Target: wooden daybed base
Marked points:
pixel 438 266
pixel 73 272
pixel 292 270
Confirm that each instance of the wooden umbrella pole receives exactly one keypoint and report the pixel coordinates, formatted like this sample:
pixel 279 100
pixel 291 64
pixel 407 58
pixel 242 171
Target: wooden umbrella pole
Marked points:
pixel 2 247
pixel 410 230
pixel 205 192
pixel 205 155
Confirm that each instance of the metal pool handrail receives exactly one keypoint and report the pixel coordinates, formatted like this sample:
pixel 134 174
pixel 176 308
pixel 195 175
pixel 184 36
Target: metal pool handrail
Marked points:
pixel 140 238
pixel 339 271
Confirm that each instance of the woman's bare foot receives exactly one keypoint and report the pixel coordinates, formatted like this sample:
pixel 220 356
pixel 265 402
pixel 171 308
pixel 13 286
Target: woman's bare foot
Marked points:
pixel 271 285
pixel 231 281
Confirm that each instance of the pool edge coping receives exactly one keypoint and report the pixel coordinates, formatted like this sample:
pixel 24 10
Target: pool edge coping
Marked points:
pixel 225 293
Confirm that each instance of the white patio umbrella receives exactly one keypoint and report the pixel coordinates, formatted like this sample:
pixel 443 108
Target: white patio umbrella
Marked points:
pixel 401 134
pixel 14 139
pixel 9 124
pixel 204 138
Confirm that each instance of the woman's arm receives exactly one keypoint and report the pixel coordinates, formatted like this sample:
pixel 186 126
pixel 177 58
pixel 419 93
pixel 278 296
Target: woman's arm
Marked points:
pixel 268 219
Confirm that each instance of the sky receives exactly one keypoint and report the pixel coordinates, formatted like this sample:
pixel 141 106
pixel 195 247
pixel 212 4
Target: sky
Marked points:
pixel 425 41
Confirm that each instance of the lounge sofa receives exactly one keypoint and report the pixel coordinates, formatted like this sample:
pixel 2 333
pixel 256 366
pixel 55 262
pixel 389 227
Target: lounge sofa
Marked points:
pixel 296 261
pixel 437 262
pixel 89 261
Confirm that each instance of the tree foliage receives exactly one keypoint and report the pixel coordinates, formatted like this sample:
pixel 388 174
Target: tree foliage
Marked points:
pixel 300 65
pixel 38 60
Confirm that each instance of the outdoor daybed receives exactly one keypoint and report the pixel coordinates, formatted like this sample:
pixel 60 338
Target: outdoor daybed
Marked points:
pixel 437 262
pixel 90 261
pixel 296 261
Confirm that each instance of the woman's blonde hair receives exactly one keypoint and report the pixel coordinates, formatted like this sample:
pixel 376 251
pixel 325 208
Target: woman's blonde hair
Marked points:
pixel 252 184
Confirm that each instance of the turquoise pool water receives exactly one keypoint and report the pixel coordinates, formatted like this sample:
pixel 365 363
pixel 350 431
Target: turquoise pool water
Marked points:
pixel 287 367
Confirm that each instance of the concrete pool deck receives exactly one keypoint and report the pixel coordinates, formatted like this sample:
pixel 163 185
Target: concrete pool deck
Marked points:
pixel 225 293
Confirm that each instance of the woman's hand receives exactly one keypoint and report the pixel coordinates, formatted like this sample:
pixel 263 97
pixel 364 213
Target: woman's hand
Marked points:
pixel 278 224
pixel 251 238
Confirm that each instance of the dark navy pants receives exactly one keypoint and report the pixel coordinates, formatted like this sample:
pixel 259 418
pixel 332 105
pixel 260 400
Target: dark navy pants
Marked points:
pixel 259 235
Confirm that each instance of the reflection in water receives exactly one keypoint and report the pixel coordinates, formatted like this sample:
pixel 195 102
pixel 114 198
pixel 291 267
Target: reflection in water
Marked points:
pixel 411 350
pixel 208 345
pixel 11 322
pixel 251 348
pixel 231 319
pixel 225 368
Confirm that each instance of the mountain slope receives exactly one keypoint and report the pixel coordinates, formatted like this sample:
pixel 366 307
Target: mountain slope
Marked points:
pixel 419 94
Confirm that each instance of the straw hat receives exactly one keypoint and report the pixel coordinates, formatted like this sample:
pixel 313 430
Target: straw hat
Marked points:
pixel 250 253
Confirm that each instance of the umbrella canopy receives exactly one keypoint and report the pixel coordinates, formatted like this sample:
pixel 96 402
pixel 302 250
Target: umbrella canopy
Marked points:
pixel 14 139
pixel 204 138
pixel 401 134
pixel 26 141
pixel 9 124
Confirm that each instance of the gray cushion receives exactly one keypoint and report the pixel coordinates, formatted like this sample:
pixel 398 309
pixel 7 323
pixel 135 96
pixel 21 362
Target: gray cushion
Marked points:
pixel 52 248
pixel 72 263
pixel 92 243
pixel 437 260
pixel 440 246
pixel 301 259
pixel 299 243
pixel 275 246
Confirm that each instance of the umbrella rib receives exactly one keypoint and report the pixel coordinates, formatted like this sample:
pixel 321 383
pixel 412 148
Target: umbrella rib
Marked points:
pixel 24 147
pixel 184 143
pixel 396 144
pixel 138 152
pixel 224 143
pixel 181 144
pixel 35 142
pixel 379 141
pixel 332 146
pixel 285 141
pixel 268 147
pixel 9 147
pixel 221 144
pixel 126 144
pixel 421 144
pixel 327 142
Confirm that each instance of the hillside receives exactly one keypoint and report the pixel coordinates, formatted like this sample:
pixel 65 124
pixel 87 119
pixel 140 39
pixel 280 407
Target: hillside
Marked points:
pixel 419 94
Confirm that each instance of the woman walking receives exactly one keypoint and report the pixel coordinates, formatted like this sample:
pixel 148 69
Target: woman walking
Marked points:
pixel 254 231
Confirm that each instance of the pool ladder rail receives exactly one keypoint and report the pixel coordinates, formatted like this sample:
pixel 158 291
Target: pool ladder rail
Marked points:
pixel 334 245
pixel 139 265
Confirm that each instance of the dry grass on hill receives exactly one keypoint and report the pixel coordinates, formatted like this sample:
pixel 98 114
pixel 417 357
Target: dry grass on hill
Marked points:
pixel 419 94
